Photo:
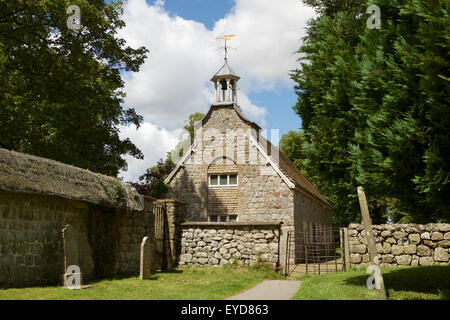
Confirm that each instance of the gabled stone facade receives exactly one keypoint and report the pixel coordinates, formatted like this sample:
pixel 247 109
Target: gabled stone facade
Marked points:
pixel 231 173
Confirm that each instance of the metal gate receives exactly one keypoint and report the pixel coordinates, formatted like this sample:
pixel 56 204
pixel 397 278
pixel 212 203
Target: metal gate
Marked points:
pixel 321 251
pixel 162 247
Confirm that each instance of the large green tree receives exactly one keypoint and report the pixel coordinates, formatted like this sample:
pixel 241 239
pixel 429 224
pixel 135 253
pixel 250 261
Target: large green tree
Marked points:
pixel 60 89
pixel 374 108
pixel 326 72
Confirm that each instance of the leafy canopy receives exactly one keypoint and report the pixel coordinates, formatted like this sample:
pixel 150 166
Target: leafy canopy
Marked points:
pixel 374 108
pixel 61 91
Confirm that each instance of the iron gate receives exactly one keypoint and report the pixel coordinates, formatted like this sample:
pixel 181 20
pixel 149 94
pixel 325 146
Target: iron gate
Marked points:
pixel 320 251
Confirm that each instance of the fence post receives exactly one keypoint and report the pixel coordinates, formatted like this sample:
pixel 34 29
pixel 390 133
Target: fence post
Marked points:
pixel 283 250
pixel 369 235
pixel 306 251
pixel 346 248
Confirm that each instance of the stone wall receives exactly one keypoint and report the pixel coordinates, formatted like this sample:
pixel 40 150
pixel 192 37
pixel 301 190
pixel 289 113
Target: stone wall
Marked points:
pixel 402 244
pixel 214 244
pixel 134 226
pixel 223 200
pixel 31 249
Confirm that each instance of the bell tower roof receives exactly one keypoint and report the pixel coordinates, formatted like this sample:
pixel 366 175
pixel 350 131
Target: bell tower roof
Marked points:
pixel 225 72
pixel 225 79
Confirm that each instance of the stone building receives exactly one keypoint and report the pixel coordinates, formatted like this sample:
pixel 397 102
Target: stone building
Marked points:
pixel 231 173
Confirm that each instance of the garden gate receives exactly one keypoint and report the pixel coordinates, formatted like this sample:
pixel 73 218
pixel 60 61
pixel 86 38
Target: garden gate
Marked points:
pixel 319 251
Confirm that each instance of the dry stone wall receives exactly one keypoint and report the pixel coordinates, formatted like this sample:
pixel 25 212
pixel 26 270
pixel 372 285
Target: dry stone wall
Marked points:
pixel 217 244
pixel 402 244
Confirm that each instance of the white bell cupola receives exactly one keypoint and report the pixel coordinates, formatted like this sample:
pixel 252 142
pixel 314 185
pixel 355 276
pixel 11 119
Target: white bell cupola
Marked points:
pixel 225 83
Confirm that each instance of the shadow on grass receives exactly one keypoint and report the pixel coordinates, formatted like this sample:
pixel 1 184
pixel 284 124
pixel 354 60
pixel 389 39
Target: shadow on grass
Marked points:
pixel 421 280
pixel 123 276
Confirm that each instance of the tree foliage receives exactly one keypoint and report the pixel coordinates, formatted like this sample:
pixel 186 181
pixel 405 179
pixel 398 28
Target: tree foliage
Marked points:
pixel 291 145
pixel 190 123
pixel 374 108
pixel 60 89
pixel 151 183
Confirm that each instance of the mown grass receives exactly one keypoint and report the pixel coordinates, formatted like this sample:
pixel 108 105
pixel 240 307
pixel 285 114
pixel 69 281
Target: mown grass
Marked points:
pixel 402 283
pixel 199 283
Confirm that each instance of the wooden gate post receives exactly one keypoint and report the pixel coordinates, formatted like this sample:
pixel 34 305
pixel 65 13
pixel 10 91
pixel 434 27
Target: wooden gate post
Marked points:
pixel 306 250
pixel 369 236
pixel 159 236
pixel 284 260
pixel 346 248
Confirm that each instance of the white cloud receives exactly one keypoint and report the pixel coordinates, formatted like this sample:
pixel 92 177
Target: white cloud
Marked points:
pixel 152 141
pixel 268 33
pixel 174 81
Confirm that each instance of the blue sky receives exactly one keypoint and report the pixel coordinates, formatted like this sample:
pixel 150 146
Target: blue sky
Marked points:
pixel 204 11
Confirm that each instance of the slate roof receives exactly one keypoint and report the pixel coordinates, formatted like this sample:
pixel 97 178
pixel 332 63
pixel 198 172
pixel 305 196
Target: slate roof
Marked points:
pixel 225 71
pixel 292 172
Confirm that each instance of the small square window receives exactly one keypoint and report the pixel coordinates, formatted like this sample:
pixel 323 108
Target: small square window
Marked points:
pixel 223 180
pixel 223 218
pixel 233 218
pixel 213 218
pixel 214 180
pixel 233 179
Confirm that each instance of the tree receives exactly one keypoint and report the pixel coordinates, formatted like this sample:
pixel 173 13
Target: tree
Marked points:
pixel 60 90
pixel 403 149
pixel 187 139
pixel 151 183
pixel 374 108
pixel 291 145
pixel 325 74
pixel 190 123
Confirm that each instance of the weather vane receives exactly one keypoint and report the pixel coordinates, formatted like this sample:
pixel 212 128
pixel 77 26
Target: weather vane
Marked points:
pixel 225 47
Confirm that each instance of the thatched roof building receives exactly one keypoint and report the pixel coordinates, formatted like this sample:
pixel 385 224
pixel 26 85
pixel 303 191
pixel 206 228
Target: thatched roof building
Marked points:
pixel 20 172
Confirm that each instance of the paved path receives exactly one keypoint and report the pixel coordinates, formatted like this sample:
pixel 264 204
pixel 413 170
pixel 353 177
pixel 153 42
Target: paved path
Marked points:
pixel 270 290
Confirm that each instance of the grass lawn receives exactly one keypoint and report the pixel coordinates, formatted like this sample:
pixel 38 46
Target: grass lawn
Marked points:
pixel 180 284
pixel 402 283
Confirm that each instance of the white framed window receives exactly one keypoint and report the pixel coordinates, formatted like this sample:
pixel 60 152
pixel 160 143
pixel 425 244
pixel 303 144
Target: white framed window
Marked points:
pixel 222 218
pixel 223 180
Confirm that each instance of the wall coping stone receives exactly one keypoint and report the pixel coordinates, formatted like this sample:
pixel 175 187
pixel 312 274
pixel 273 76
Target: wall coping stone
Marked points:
pixel 171 200
pixel 231 224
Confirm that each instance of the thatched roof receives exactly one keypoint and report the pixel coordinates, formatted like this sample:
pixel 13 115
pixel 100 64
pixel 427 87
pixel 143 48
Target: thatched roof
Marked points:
pixel 20 172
